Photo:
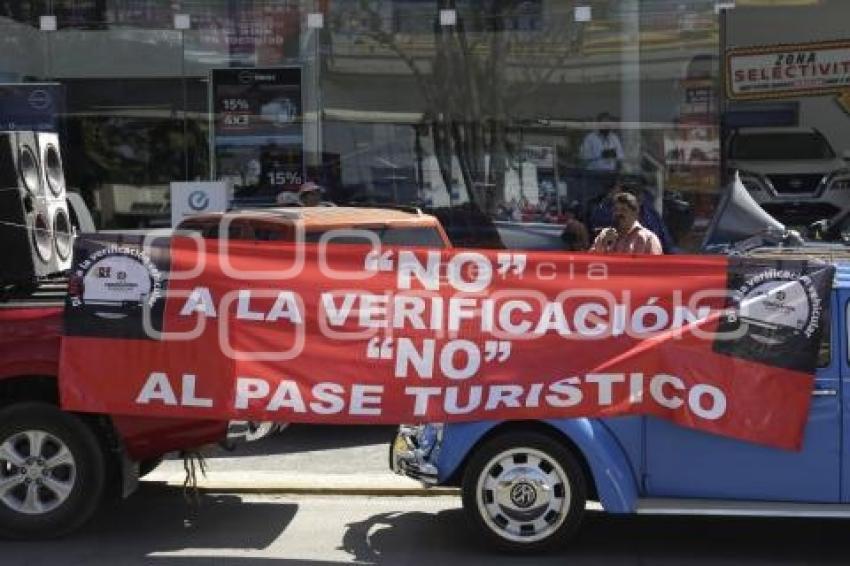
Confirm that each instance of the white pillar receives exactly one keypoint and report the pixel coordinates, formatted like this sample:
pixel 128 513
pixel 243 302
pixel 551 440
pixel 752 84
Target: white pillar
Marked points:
pixel 630 83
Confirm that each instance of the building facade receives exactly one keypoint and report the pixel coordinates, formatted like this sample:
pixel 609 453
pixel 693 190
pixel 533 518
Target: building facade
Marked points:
pixel 493 114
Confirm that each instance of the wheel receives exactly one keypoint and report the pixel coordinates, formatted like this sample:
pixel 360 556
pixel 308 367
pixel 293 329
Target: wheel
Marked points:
pixel 524 491
pixel 52 471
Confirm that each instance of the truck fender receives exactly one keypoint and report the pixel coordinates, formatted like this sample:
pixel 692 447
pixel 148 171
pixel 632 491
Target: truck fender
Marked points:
pixel 613 477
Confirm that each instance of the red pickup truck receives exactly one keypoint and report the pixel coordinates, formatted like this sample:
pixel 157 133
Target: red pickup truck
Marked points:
pixel 56 466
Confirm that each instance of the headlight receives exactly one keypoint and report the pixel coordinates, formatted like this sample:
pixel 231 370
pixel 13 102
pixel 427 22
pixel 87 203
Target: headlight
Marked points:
pixel 841 184
pixel 839 180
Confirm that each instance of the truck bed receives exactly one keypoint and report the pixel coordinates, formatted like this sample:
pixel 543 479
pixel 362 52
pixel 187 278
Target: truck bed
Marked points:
pixel 829 253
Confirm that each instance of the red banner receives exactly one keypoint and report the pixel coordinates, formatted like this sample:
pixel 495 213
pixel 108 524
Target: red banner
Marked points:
pixel 346 334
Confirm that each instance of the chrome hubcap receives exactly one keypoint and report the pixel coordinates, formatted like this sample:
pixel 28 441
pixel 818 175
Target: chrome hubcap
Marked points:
pixel 37 472
pixel 523 495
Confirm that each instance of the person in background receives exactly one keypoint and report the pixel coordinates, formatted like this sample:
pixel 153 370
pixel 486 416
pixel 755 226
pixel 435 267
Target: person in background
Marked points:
pixel 574 235
pixel 602 213
pixel 601 150
pixel 626 236
pixel 516 213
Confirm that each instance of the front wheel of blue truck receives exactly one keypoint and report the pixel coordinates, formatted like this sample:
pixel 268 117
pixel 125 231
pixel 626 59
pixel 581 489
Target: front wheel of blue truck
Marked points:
pixel 524 492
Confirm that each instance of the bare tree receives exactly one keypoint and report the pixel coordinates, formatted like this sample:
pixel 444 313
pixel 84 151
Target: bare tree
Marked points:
pixel 479 73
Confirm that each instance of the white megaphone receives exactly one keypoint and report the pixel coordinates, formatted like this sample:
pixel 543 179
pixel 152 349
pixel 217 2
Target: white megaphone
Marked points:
pixel 739 218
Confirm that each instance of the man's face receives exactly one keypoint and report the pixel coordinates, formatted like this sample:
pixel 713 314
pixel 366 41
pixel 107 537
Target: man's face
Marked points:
pixel 624 216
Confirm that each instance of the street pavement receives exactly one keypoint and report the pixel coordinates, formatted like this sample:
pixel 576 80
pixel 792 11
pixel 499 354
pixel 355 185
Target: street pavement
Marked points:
pixel 312 448
pixel 351 460
pixel 244 526
pixel 159 527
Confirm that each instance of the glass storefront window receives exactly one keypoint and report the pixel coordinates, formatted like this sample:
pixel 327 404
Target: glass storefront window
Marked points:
pixel 525 113
pixel 787 115
pixel 495 116
pixel 513 122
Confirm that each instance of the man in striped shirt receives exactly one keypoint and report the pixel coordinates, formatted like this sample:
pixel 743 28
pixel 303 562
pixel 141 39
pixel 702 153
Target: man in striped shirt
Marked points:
pixel 627 236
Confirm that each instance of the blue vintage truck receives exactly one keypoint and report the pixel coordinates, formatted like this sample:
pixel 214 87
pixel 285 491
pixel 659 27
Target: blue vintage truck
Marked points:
pixel 525 484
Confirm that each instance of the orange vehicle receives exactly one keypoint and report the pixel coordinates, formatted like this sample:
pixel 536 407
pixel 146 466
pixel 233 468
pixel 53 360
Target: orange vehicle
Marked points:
pixel 393 227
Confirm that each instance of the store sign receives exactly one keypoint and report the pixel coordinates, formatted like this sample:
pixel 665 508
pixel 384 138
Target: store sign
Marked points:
pixel 270 330
pixel 198 197
pixel 258 126
pixel 811 69
pixel 31 106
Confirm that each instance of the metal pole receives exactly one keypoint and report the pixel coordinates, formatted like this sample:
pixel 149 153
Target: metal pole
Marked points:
pixel 722 101
pixel 557 179
pixel 185 105
pixel 630 86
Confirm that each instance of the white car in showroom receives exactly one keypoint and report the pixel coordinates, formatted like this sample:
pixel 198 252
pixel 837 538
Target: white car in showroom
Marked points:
pixel 793 173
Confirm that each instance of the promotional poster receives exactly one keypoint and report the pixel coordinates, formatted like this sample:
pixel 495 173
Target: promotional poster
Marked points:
pixel 258 130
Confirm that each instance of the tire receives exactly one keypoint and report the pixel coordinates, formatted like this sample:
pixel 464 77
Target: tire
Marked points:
pixel 37 499
pixel 502 493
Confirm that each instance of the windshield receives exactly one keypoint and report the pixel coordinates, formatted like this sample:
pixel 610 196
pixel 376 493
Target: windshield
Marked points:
pixel 780 146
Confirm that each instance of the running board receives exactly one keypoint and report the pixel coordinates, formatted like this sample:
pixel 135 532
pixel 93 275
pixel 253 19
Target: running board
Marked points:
pixel 731 508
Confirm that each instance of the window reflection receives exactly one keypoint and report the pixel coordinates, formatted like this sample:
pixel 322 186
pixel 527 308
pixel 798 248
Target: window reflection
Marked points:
pixel 786 124
pixel 515 115
pixel 516 111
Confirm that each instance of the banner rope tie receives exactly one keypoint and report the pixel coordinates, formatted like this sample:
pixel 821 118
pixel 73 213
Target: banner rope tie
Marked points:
pixel 192 462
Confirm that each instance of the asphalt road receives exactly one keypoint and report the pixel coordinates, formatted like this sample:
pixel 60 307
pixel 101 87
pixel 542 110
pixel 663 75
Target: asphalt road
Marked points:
pixel 159 527
pixel 308 449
